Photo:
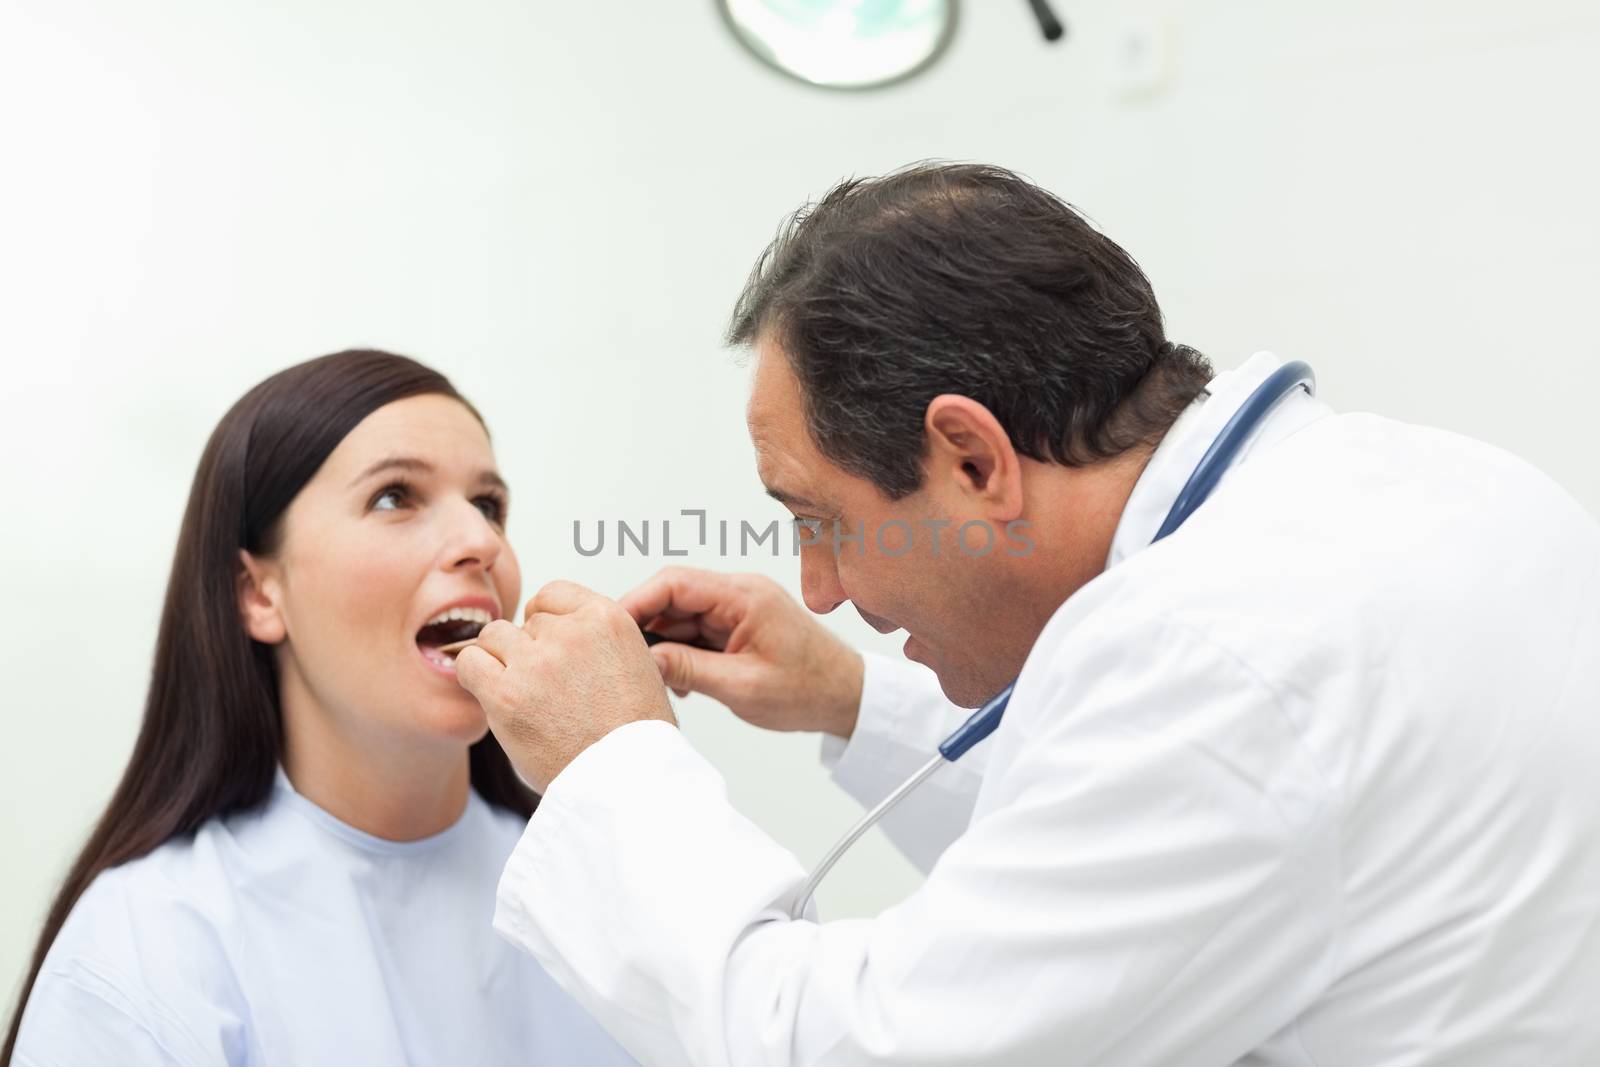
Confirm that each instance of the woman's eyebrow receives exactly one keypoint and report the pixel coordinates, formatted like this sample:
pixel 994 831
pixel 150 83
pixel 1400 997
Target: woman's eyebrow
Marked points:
pixel 411 463
pixel 407 463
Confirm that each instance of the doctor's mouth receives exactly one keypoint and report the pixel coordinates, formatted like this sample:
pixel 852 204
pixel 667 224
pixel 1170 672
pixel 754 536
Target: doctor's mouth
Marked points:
pixel 693 532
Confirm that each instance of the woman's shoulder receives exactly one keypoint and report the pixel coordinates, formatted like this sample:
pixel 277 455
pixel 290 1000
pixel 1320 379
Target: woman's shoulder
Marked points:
pixel 186 888
pixel 143 961
pixel 166 915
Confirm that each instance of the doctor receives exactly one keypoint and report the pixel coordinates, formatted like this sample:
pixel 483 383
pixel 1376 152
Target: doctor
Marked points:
pixel 1312 781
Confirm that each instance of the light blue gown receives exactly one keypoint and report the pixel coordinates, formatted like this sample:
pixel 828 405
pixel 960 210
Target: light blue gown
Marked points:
pixel 285 937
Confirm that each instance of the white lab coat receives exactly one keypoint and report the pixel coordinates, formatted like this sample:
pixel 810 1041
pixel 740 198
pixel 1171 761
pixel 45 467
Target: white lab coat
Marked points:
pixel 1314 781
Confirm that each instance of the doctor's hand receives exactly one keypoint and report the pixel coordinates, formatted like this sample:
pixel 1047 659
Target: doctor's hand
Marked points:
pixel 768 659
pixel 574 671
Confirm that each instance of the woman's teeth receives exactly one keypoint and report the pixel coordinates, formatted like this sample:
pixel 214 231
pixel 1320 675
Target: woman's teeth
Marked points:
pixel 448 627
pixel 477 615
pixel 433 655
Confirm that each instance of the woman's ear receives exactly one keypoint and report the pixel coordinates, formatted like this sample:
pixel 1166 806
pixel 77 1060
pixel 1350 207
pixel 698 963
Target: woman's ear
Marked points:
pixel 258 601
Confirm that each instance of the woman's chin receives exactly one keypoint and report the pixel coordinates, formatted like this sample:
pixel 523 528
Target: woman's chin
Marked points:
pixel 456 719
pixel 477 731
pixel 451 710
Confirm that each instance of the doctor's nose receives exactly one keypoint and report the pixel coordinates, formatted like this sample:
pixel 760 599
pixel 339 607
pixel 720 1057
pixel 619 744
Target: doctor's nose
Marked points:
pixel 820 587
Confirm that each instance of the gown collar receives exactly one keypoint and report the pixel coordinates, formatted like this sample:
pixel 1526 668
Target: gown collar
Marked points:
pixel 286 794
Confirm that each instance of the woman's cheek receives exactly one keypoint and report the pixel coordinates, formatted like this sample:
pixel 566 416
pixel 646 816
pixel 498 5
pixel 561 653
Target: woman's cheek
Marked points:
pixel 508 582
pixel 370 584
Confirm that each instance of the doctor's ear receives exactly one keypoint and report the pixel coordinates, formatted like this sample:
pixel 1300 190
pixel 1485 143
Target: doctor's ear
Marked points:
pixel 967 443
pixel 258 592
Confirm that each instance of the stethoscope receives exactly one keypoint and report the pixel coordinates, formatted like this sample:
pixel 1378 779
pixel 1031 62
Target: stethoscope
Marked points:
pixel 1207 473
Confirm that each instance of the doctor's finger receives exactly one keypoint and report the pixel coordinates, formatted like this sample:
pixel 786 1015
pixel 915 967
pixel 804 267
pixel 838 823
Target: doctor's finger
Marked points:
pixel 727 679
pixel 476 669
pixel 502 639
pixel 559 598
pixel 685 630
pixel 679 592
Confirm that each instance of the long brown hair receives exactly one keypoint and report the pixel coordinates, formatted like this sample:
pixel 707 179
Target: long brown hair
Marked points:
pixel 213 732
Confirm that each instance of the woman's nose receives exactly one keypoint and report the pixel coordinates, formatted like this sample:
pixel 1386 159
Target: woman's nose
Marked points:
pixel 474 540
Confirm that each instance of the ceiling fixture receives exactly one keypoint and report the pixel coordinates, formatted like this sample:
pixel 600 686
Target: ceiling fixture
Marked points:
pixel 854 44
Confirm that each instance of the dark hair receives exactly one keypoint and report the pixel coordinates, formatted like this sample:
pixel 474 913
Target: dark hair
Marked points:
pixel 213 731
pixel 965 279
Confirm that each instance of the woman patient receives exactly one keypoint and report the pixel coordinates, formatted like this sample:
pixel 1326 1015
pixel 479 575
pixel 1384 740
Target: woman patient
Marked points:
pixel 299 864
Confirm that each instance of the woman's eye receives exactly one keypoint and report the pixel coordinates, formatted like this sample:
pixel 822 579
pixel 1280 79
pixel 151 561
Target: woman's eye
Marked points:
pixel 493 508
pixel 390 498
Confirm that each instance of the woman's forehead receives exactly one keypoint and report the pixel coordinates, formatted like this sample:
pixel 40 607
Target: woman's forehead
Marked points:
pixel 436 428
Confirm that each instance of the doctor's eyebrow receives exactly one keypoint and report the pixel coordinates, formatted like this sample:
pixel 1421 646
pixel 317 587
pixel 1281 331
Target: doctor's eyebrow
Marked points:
pixel 792 501
pixel 422 466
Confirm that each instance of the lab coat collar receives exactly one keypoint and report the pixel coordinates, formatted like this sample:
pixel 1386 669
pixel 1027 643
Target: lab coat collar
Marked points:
pixel 1180 451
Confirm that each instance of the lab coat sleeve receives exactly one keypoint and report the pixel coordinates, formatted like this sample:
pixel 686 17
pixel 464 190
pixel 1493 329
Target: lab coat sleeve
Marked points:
pixel 1149 881
pixel 83 1015
pixel 903 717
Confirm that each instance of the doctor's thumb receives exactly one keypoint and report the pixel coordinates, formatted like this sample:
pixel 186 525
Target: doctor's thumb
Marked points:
pixel 694 670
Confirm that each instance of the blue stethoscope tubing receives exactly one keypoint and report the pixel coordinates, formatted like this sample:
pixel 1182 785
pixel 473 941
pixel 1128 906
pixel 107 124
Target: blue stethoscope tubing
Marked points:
pixel 1225 448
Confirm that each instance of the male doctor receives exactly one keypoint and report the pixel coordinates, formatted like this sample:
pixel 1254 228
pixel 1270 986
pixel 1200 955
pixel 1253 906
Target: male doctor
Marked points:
pixel 1313 781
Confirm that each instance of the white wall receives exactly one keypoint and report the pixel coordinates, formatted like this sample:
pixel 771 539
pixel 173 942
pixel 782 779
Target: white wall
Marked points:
pixel 557 208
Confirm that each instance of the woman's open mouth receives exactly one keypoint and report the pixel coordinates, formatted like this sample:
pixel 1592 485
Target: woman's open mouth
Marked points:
pixel 447 627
